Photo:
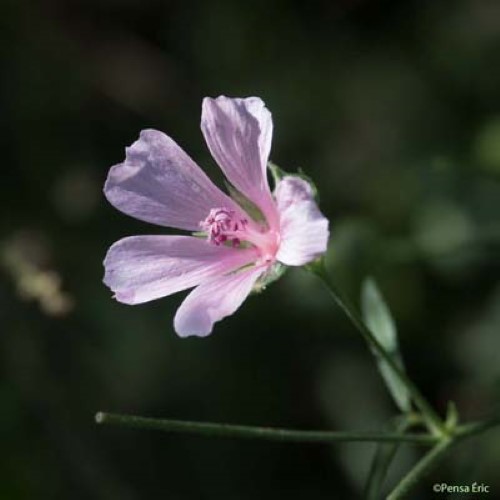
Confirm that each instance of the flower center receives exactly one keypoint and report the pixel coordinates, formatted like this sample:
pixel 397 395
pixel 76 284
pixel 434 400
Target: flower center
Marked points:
pixel 223 226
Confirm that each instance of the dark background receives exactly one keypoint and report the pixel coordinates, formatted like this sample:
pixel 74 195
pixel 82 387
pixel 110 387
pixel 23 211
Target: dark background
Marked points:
pixel 392 107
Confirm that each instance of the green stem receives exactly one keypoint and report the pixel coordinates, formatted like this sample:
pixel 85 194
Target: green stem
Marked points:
pixel 265 433
pixel 473 428
pixel 428 461
pixel 432 458
pixel 432 419
pixel 382 459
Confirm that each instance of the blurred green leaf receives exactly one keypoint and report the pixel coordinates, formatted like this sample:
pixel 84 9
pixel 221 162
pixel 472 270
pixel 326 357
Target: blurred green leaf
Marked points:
pixel 378 319
pixel 487 146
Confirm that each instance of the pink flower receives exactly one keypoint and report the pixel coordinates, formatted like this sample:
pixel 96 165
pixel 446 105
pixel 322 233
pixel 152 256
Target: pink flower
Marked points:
pixel 159 183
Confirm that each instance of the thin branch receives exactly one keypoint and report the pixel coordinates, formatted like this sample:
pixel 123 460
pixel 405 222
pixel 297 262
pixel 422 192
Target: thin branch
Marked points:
pixel 265 433
pixel 384 454
pixel 473 428
pixel 434 422
pixel 432 458
pixel 428 461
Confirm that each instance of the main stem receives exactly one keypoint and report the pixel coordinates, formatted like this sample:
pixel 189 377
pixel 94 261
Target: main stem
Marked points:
pixel 428 461
pixel 266 433
pixel 432 419
pixel 443 446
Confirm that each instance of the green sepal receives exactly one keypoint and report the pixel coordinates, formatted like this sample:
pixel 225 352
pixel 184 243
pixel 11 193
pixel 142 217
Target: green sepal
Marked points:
pixel 273 274
pixel 276 172
pixel 316 266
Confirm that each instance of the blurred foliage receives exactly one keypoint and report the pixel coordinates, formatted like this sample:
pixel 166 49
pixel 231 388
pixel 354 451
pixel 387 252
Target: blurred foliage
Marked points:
pixel 393 108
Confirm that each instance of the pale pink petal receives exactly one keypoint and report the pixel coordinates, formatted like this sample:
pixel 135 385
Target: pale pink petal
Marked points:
pixel 159 183
pixel 213 300
pixel 143 268
pixel 304 229
pixel 292 189
pixel 239 133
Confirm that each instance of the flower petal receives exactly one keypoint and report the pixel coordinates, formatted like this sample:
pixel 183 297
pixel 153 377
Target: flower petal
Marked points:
pixel 159 183
pixel 304 229
pixel 238 133
pixel 213 300
pixel 143 268
pixel 292 189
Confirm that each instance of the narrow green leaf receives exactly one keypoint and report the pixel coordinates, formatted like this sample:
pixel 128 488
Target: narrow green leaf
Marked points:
pixel 384 453
pixel 378 319
pixel 383 457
